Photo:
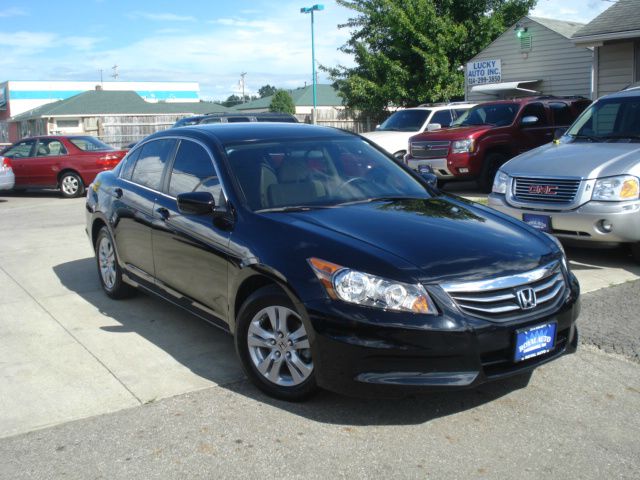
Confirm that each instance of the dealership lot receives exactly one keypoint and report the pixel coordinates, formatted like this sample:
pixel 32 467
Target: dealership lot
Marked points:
pixel 69 352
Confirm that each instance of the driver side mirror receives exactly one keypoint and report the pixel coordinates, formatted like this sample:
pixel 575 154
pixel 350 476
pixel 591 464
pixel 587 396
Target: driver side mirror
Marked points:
pixel 558 133
pixel 529 120
pixel 433 126
pixel 196 203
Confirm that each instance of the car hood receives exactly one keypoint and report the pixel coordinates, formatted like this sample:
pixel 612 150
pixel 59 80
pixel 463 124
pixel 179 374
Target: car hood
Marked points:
pixel 443 238
pixel 584 160
pixel 390 140
pixel 453 133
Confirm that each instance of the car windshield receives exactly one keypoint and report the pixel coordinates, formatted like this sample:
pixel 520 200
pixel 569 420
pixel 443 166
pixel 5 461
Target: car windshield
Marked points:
pixel 498 114
pixel 615 119
pixel 405 121
pixel 90 144
pixel 305 174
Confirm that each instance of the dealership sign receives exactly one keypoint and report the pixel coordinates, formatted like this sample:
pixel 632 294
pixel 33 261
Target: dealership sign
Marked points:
pixel 480 72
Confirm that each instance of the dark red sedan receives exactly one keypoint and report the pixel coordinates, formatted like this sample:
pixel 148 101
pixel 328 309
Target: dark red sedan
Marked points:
pixel 68 163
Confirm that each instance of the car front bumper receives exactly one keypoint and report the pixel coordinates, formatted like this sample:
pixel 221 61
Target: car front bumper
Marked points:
pixel 584 224
pixel 392 355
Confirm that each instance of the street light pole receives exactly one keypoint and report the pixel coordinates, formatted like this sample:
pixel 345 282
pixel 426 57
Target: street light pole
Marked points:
pixel 313 57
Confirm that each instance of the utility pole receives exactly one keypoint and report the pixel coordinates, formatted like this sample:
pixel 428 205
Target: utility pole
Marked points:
pixel 242 84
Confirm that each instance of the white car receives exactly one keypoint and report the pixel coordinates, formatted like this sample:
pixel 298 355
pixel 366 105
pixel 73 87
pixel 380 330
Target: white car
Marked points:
pixel 7 177
pixel 394 133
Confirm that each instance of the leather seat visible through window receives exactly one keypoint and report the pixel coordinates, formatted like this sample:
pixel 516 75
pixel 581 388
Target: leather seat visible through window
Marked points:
pixel 295 185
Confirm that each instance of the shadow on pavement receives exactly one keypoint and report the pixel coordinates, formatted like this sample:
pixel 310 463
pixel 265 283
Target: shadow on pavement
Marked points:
pixel 210 353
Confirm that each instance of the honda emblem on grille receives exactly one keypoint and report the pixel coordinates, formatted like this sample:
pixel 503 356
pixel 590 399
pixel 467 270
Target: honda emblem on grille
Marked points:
pixel 527 298
pixel 543 189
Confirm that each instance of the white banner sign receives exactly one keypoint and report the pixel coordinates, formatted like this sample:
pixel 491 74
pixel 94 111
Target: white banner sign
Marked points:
pixel 481 72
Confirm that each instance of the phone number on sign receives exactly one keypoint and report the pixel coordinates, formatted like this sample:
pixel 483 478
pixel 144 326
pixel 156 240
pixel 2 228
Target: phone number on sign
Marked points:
pixel 483 80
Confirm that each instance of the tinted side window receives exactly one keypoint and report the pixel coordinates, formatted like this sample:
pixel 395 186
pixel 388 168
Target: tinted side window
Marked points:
pixel 536 110
pixel 443 117
pixel 150 165
pixel 129 163
pixel 20 149
pixel 561 113
pixel 50 148
pixel 238 119
pixel 193 171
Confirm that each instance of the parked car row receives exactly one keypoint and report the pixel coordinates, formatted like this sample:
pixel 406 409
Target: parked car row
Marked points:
pixel 67 163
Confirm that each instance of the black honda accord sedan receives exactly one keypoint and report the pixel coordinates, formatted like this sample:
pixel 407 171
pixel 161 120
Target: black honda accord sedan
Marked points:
pixel 332 265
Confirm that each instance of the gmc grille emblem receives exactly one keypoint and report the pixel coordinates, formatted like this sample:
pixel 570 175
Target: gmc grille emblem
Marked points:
pixel 527 298
pixel 543 189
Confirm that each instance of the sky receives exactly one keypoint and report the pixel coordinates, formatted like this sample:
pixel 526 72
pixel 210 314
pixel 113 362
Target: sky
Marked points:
pixel 211 42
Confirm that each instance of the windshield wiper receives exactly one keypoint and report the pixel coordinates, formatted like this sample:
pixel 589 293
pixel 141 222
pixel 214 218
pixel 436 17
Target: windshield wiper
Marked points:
pixel 293 208
pixel 387 198
pixel 621 136
pixel 591 138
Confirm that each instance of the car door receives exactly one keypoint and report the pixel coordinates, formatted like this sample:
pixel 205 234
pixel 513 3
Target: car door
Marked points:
pixel 46 164
pixel 141 182
pixel 191 251
pixel 21 155
pixel 533 134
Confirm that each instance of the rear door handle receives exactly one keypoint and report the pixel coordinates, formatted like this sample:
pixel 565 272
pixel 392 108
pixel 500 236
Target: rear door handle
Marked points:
pixel 118 192
pixel 163 212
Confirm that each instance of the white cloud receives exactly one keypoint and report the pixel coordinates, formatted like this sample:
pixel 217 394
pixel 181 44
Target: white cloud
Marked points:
pixel 162 17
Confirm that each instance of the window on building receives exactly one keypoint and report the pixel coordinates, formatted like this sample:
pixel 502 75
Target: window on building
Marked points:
pixel 67 123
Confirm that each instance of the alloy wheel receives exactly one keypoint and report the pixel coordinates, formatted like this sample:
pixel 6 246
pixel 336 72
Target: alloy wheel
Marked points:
pixel 279 346
pixel 70 185
pixel 107 263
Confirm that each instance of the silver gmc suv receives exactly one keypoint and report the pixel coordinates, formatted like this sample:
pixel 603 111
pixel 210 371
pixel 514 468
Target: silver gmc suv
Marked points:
pixel 585 185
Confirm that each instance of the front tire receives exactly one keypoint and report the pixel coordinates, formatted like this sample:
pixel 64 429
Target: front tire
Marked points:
pixel 492 162
pixel 635 251
pixel 273 346
pixel 109 271
pixel 71 185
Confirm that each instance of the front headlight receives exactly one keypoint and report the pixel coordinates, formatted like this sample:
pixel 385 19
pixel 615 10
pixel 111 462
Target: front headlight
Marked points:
pixel 462 146
pixel 623 187
pixel 565 262
pixel 500 182
pixel 360 288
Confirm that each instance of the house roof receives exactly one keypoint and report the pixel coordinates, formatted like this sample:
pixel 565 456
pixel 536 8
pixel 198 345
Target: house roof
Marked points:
pixel 620 20
pixel 562 27
pixel 326 96
pixel 103 102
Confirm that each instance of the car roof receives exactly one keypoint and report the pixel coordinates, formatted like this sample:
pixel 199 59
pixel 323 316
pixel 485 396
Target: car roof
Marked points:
pixel 632 91
pixel 248 132
pixel 540 98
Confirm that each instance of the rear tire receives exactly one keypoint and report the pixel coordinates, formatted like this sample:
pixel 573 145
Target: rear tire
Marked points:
pixel 492 162
pixel 273 346
pixel 109 271
pixel 71 185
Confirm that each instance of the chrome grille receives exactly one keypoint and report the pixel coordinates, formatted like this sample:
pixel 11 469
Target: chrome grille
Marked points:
pixel 433 149
pixel 497 299
pixel 546 190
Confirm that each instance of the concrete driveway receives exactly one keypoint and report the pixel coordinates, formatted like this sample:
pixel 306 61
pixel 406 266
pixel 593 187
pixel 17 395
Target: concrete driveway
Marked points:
pixel 71 352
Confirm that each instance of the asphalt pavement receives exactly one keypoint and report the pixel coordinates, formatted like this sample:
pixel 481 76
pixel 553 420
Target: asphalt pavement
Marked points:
pixel 92 388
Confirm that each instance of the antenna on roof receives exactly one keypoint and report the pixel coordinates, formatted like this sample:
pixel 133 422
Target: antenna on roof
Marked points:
pixel 115 73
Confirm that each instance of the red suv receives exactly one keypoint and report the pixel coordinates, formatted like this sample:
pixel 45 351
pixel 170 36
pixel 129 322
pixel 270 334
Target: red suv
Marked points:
pixel 65 162
pixel 489 134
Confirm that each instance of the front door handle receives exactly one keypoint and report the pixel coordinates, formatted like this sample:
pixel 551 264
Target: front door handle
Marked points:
pixel 163 212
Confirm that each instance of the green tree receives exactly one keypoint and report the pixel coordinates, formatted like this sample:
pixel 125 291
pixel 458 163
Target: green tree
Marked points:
pixel 282 102
pixel 409 52
pixel 267 91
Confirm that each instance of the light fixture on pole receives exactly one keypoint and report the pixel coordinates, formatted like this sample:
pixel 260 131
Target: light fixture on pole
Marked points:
pixel 313 56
